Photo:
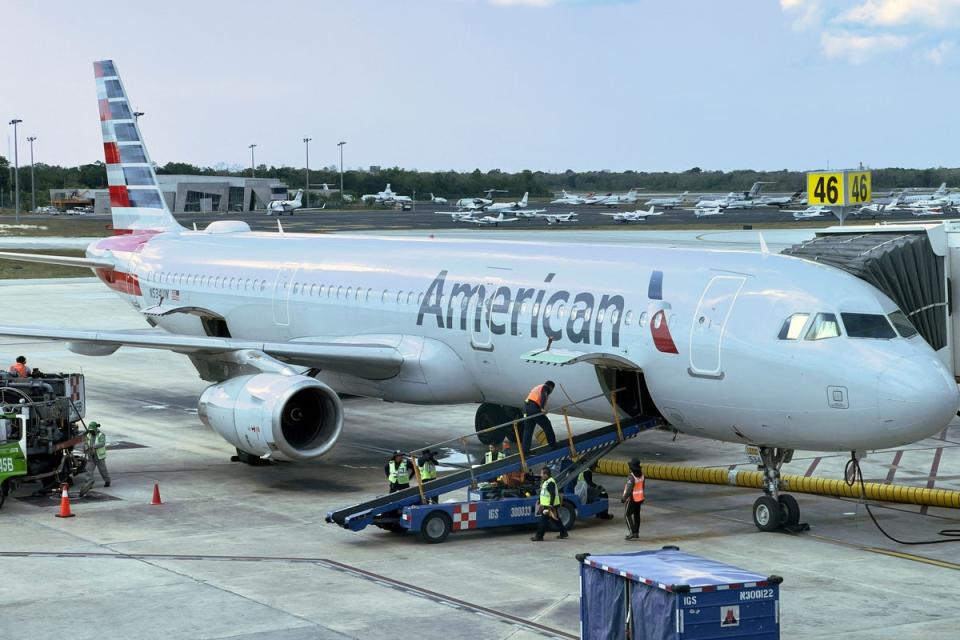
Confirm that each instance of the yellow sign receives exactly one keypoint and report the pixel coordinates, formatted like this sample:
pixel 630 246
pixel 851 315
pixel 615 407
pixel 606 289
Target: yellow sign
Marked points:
pixel 858 187
pixel 838 188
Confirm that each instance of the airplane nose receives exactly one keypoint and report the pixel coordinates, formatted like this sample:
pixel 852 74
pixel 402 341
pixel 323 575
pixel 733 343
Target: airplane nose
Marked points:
pixel 917 397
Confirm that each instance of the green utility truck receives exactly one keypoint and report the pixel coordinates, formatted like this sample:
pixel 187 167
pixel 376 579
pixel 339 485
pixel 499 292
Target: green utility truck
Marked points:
pixel 40 425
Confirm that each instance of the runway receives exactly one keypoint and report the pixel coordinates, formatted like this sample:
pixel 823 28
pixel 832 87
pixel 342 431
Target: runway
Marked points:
pixel 244 553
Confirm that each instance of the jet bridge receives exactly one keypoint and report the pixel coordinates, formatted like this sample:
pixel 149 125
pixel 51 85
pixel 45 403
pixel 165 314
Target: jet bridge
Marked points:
pixel 916 265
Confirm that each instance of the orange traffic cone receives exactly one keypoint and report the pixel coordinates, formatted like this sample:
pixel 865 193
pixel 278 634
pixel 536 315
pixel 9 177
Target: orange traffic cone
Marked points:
pixel 156 494
pixel 65 504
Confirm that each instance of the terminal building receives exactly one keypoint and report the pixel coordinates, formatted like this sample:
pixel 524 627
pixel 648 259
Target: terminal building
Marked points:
pixel 188 194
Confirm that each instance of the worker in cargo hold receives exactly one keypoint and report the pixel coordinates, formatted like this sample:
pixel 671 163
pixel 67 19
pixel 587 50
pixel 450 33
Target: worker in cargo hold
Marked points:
pixel 19 369
pixel 398 469
pixel 535 405
pixel 548 506
pixel 633 496
pixel 428 469
pixel 589 491
pixel 95 446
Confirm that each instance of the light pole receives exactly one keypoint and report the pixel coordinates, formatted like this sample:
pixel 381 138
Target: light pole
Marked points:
pixel 253 171
pixel 16 171
pixel 33 189
pixel 340 144
pixel 306 141
pixel 137 114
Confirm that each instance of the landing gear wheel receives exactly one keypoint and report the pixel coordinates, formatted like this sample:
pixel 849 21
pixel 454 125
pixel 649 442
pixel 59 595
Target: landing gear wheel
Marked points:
pixel 766 513
pixel 789 510
pixel 567 514
pixel 490 415
pixel 436 527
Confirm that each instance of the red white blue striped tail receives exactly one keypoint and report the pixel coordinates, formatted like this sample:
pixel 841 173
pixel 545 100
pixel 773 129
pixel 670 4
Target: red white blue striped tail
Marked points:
pixel 135 199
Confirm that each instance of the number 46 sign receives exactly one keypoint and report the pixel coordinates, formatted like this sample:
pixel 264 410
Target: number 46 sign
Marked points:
pixel 838 188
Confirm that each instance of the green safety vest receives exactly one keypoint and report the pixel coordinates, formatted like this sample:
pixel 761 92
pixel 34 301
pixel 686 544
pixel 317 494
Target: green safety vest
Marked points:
pixel 428 471
pixel 545 493
pixel 96 443
pixel 399 474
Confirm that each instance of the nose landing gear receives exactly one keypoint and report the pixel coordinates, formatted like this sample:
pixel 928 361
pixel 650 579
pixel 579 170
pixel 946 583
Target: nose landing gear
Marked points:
pixel 775 510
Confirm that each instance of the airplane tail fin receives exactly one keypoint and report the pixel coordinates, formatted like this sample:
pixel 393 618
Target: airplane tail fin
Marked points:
pixel 942 190
pixel 135 199
pixel 523 201
pixel 299 197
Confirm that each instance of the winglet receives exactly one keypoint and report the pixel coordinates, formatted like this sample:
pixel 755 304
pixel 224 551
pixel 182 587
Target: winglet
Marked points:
pixel 763 244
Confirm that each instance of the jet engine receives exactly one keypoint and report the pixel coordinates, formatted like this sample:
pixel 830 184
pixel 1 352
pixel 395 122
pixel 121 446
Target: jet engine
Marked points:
pixel 294 418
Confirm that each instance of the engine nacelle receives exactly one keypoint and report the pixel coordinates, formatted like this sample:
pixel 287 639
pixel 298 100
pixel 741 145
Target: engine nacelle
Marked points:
pixel 290 417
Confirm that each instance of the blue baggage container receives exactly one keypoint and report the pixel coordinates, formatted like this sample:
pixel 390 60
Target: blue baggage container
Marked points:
pixel 671 595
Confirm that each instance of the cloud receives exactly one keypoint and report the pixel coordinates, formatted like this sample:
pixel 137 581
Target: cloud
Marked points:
pixel 871 28
pixel 858 49
pixel 935 14
pixel 941 52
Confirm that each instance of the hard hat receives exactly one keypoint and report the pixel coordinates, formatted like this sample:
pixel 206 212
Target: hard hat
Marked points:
pixel 93 425
pixel 397 452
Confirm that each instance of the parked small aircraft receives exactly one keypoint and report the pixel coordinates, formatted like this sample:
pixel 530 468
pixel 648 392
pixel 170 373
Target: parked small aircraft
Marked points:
pixel 281 207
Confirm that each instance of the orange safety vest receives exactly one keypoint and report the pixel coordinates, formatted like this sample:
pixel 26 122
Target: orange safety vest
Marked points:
pixel 538 396
pixel 20 370
pixel 638 487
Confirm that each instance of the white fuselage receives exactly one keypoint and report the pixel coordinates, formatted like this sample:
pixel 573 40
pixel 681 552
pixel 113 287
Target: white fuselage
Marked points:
pixel 701 325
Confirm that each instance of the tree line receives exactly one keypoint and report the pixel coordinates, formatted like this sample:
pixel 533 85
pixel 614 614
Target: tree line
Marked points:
pixel 457 184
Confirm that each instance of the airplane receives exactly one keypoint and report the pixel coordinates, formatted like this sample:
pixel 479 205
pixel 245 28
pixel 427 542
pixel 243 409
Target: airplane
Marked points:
pixel 732 345
pixel 668 203
pixel 626 217
pixel 814 211
pixel 528 213
pixel 941 192
pixel 387 196
pixel 703 212
pixel 457 216
pixel 929 209
pixel 478 204
pixel 486 221
pixel 437 199
pixel 612 200
pixel 568 198
pixel 559 218
pixel 779 201
pixel 281 207
pixel 509 206
pixel 734 199
pixel 882 208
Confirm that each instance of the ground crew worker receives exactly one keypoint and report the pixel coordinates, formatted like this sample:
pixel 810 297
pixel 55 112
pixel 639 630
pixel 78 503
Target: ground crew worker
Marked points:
pixel 95 447
pixel 19 369
pixel 547 506
pixel 633 496
pixel 493 454
pixel 505 450
pixel 428 469
pixel 536 403
pixel 398 470
pixel 594 491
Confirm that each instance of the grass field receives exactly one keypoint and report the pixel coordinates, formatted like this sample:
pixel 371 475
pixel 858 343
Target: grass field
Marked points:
pixel 60 226
pixel 11 270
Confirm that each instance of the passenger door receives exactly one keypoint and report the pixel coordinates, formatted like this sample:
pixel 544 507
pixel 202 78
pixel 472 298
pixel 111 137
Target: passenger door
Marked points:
pixel 709 320
pixel 281 294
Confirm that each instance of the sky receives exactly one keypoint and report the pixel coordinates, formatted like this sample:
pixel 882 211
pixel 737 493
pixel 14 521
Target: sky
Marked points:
pixel 511 84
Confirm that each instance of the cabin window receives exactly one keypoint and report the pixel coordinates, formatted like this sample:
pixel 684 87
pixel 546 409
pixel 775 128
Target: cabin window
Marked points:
pixel 523 308
pixel 628 318
pixel 600 316
pixel 536 308
pixel 410 298
pixel 369 295
pixel 614 315
pixel 793 326
pixel 216 282
pixel 824 326
pixel 867 325
pixel 420 298
pixel 349 293
pixel 339 291
pixel 383 298
pixel 902 324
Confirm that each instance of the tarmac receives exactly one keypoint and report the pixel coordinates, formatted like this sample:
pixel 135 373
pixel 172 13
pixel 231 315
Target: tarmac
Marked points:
pixel 243 552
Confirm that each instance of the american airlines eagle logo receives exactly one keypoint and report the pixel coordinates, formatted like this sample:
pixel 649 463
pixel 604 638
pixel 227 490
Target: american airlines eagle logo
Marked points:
pixel 577 317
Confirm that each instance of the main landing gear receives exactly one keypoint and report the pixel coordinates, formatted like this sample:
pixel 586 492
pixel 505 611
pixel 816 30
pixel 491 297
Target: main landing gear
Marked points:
pixel 775 510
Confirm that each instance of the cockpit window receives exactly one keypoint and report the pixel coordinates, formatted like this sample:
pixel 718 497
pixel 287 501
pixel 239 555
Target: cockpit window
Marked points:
pixel 792 326
pixel 824 326
pixel 867 325
pixel 902 324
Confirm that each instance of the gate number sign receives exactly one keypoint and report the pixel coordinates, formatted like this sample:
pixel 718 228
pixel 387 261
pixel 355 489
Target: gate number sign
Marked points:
pixel 838 188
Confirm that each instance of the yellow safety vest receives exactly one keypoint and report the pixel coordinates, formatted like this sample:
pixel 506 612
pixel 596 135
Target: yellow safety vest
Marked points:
pixel 399 474
pixel 492 456
pixel 428 471
pixel 545 493
pixel 96 445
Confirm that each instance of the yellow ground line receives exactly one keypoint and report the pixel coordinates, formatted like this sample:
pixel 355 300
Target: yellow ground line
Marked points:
pixel 914 558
